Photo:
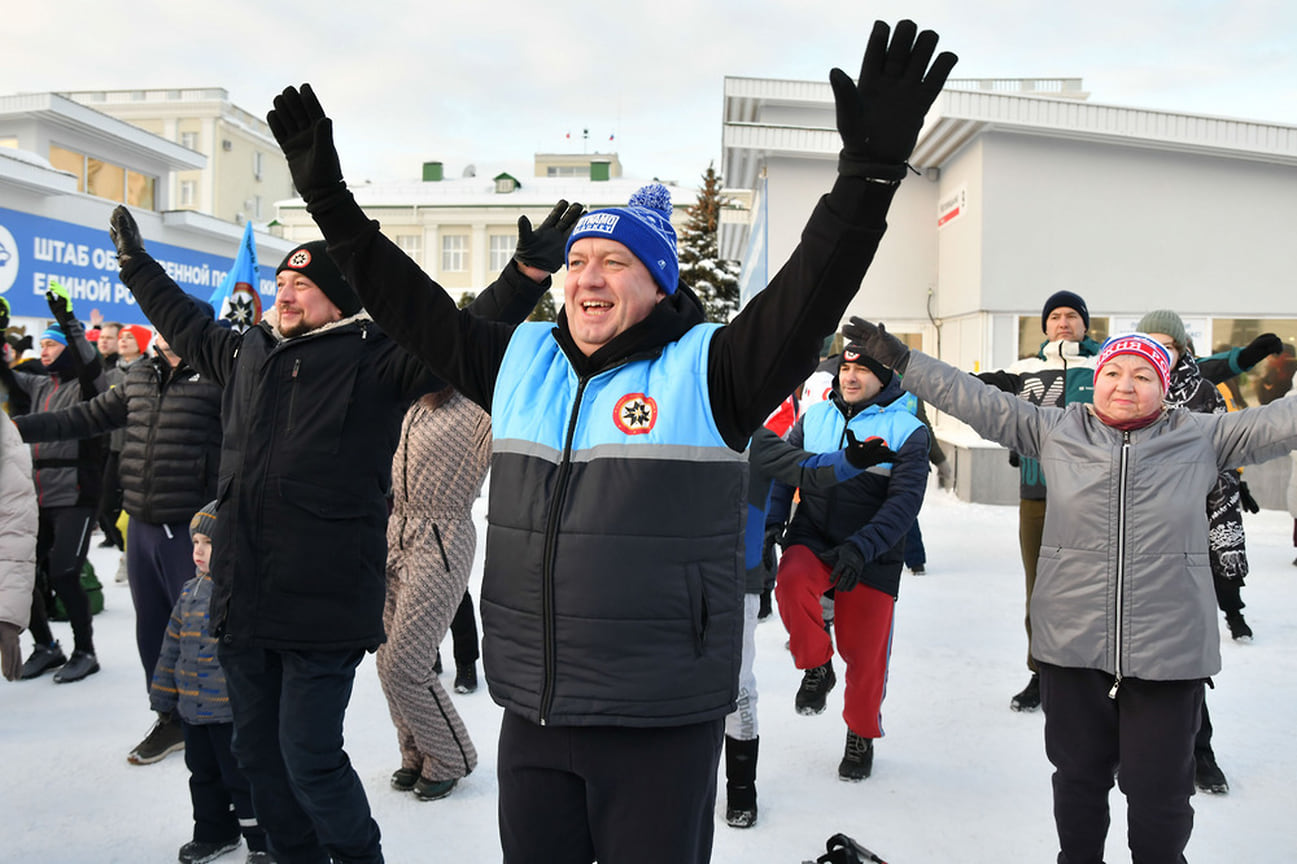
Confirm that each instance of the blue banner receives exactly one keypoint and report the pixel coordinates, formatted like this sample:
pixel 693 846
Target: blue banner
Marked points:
pixel 34 250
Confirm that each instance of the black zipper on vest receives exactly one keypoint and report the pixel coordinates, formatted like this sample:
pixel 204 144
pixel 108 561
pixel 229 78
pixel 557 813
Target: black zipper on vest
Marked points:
pixel 1121 555
pixel 292 394
pixel 551 542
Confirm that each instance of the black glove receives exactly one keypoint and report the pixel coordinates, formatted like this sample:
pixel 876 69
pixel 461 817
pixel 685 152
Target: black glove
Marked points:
pixel 1014 459
pixel 768 547
pixel 865 454
pixel 544 247
pixel 1258 349
pixel 879 118
pixel 1245 498
pixel 847 564
pixel 306 137
pixel 844 850
pixel 878 343
pixel 60 303
pixel 4 314
pixel 125 234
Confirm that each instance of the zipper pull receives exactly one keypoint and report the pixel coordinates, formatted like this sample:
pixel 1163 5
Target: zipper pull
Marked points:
pixel 1112 694
pixel 297 364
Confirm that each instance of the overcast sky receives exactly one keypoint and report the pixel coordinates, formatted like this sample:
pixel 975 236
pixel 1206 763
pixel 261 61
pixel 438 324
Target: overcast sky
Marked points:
pixel 495 82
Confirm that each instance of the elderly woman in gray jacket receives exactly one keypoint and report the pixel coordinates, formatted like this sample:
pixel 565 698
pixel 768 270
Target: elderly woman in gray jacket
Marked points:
pixel 1124 610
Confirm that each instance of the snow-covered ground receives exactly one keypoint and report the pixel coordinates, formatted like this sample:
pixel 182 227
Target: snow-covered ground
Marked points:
pixel 958 778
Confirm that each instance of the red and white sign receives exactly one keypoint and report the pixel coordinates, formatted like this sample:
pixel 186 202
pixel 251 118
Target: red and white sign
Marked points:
pixel 952 207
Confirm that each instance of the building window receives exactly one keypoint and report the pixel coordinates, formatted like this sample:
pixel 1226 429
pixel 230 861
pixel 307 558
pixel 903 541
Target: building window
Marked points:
pixel 188 193
pixel 1267 380
pixel 70 161
pixel 189 140
pixel 1030 337
pixel 140 190
pixel 567 171
pixel 454 253
pixel 256 165
pixel 502 246
pixel 11 143
pixel 411 245
pixel 256 206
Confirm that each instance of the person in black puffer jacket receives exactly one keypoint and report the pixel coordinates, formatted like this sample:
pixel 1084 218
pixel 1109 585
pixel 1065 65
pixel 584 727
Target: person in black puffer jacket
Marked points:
pixel 169 417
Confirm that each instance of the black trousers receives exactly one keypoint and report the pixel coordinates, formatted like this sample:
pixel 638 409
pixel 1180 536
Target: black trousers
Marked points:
pixel 571 794
pixel 1145 737
pixel 463 633
pixel 217 788
pixel 61 545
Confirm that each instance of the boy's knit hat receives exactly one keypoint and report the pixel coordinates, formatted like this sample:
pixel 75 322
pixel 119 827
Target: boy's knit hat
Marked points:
pixel 55 334
pixel 204 521
pixel 643 227
pixel 1068 299
pixel 1141 345
pixel 1165 321
pixel 312 261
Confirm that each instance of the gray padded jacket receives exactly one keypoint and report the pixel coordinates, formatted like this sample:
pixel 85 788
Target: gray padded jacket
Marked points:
pixel 1124 582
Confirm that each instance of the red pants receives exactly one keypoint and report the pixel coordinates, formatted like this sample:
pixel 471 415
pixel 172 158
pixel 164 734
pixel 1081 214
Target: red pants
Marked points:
pixel 862 620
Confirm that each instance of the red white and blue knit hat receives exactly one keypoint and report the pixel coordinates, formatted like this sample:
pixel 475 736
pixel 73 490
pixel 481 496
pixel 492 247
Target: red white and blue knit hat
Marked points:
pixel 644 227
pixel 1141 345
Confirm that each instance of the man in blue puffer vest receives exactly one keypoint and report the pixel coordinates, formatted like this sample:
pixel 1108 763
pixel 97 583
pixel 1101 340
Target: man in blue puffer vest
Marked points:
pixel 850 537
pixel 612 596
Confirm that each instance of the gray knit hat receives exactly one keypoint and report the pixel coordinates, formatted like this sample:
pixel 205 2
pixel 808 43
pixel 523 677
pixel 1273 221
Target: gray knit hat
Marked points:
pixel 1165 321
pixel 204 521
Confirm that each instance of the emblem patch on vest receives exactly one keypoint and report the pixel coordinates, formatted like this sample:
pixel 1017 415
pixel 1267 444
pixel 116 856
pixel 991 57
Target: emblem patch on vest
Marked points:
pixel 635 414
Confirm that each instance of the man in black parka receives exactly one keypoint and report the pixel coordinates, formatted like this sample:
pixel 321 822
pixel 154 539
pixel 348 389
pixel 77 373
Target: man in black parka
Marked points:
pixel 312 401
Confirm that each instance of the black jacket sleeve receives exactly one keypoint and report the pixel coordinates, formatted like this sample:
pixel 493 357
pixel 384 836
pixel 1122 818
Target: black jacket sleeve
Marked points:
pixel 458 345
pixel 99 415
pixel 205 345
pixel 1007 382
pixel 773 344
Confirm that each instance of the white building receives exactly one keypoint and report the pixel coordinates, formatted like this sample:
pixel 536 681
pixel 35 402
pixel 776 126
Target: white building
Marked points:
pixel 463 230
pixel 1028 188
pixel 63 168
pixel 244 173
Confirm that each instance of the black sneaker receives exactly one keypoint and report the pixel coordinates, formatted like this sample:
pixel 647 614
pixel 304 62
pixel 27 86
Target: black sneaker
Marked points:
pixel 403 779
pixel 917 570
pixel 1238 629
pixel 858 758
pixel 1029 698
pixel 431 790
pixel 79 665
pixel 43 658
pixel 166 737
pixel 466 678
pixel 1207 775
pixel 198 851
pixel 816 684
pixel 764 607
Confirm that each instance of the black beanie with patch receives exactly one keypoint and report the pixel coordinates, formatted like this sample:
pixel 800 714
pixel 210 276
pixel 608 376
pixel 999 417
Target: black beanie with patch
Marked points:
pixel 855 353
pixel 312 261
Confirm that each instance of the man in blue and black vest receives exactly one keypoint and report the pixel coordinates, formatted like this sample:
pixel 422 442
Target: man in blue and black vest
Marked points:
pixel 612 604
pixel 851 538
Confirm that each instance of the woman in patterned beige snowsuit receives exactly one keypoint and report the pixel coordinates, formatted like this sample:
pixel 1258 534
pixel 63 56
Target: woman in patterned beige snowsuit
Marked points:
pixel 437 473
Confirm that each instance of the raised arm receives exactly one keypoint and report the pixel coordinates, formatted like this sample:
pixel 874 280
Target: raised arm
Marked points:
pixel 457 345
pixel 87 419
pixel 773 344
pixel 195 336
pixel 85 359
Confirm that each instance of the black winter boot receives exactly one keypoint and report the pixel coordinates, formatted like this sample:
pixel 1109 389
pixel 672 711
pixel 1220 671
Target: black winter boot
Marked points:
pixel 857 758
pixel 816 684
pixel 1029 698
pixel 740 782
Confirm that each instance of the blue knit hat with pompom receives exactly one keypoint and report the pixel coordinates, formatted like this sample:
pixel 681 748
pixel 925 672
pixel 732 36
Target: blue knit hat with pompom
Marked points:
pixel 644 227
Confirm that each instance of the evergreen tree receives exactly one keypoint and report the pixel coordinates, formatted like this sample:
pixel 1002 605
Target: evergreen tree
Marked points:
pixel 466 298
pixel 545 309
pixel 716 282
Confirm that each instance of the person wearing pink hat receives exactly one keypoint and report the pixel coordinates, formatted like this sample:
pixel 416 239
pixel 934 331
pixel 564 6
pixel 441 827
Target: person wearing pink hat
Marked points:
pixel 1124 605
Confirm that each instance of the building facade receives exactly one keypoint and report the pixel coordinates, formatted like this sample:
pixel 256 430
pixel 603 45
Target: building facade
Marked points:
pixel 1024 188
